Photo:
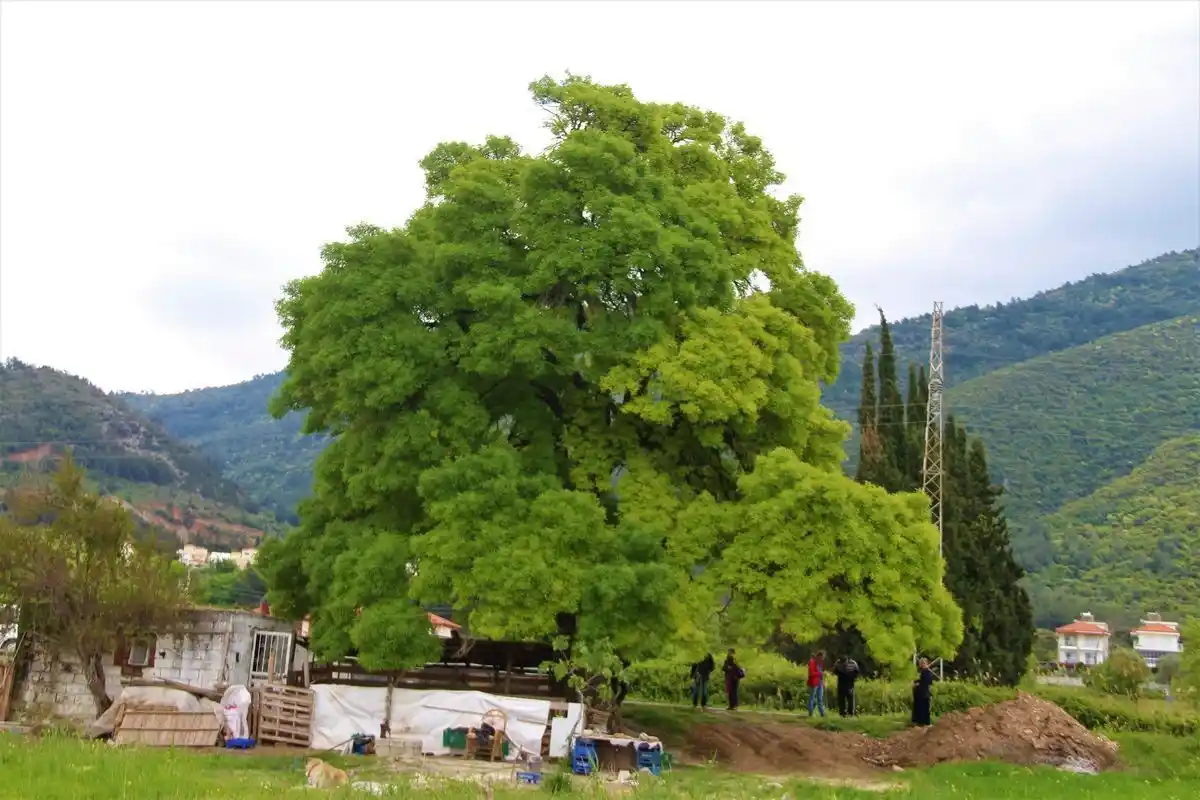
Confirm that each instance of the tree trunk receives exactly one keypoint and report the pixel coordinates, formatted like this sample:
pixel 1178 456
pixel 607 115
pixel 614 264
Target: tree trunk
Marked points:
pixel 93 671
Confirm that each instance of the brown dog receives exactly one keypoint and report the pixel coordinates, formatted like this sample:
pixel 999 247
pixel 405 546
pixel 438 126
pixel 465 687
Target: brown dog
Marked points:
pixel 324 776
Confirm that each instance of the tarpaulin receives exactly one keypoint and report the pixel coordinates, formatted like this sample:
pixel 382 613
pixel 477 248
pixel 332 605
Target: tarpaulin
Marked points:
pixel 341 711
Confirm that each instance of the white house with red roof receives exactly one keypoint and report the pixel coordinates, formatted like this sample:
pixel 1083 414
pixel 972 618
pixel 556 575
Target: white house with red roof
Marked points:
pixel 1084 641
pixel 1154 639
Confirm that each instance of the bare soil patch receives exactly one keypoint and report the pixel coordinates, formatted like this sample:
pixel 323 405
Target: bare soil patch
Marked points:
pixel 1025 731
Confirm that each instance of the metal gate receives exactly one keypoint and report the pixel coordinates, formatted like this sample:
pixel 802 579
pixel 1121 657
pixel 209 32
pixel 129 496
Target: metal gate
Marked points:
pixel 272 657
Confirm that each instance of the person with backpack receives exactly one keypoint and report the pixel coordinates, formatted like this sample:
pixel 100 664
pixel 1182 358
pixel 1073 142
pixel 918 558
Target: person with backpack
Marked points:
pixel 701 671
pixel 816 683
pixel 733 677
pixel 846 670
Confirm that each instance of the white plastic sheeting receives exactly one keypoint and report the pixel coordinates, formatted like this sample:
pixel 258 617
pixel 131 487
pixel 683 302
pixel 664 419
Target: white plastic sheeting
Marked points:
pixel 339 712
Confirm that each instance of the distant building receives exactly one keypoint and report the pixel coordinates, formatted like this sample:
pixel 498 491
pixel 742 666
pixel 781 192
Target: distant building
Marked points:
pixel 1084 641
pixel 244 558
pixel 1154 639
pixel 193 556
pixel 442 627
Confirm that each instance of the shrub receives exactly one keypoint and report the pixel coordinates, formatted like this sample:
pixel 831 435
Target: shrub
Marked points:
pixel 772 683
pixel 1124 672
pixel 1168 669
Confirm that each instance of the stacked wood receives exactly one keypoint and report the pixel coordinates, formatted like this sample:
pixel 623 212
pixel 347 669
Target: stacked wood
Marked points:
pixel 282 714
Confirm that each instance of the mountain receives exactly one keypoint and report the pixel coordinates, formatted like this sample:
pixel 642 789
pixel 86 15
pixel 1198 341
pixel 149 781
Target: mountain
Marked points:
pixel 978 340
pixel 1132 544
pixel 1061 426
pixel 269 458
pixel 166 483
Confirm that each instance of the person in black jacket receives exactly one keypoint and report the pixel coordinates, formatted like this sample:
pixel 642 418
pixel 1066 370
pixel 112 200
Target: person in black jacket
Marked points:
pixel 702 670
pixel 733 677
pixel 846 670
pixel 922 712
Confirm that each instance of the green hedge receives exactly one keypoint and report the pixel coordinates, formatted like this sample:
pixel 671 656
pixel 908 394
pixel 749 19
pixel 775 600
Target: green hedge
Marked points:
pixel 775 684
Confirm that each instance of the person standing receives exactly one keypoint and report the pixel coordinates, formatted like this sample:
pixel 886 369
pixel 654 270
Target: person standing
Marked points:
pixel 816 683
pixel 702 670
pixel 733 678
pixel 923 695
pixel 846 670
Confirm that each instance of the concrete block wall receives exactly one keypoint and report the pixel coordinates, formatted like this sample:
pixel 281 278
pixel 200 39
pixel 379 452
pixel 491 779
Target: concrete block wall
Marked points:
pixel 57 686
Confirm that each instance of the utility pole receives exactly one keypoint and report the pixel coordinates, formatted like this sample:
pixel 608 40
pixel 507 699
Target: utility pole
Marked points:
pixel 933 475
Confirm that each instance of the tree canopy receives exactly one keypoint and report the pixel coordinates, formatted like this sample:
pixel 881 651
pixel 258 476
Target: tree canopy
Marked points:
pixel 578 393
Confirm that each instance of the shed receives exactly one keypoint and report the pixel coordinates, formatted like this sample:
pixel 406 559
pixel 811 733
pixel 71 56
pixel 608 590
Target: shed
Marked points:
pixel 215 648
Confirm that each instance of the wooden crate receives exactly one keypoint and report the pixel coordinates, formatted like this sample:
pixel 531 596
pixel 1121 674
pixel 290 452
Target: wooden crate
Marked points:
pixel 157 728
pixel 282 714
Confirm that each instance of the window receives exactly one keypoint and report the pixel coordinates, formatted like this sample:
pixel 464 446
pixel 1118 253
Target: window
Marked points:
pixel 141 652
pixel 271 657
pixel 1069 641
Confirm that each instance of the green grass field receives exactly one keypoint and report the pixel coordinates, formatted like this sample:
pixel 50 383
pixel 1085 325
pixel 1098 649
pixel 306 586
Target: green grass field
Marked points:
pixel 1158 766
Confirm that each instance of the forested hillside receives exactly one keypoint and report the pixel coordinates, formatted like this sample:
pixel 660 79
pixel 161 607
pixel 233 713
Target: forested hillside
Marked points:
pixel 1061 426
pixel 980 339
pixel 1131 545
pixel 166 482
pixel 266 457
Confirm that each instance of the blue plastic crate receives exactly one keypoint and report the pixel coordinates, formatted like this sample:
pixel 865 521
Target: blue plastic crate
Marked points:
pixel 532 778
pixel 239 744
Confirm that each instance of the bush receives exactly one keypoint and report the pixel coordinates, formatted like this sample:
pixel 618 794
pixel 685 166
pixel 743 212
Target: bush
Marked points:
pixel 774 684
pixel 1124 672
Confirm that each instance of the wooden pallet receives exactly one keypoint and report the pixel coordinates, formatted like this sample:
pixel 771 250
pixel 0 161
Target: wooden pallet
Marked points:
pixel 282 714
pixel 160 728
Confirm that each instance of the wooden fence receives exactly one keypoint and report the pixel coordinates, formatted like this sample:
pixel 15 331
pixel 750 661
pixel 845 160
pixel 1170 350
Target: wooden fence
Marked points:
pixel 7 670
pixel 450 677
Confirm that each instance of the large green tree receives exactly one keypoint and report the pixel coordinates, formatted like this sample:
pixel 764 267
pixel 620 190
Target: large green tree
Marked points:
pixel 579 392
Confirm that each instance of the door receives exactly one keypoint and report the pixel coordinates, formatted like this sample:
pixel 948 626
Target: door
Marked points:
pixel 271 657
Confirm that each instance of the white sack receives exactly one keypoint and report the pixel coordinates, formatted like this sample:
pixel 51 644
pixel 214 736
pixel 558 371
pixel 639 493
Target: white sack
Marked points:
pixel 235 704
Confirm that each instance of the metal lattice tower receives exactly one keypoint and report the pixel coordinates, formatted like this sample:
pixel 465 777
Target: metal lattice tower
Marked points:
pixel 932 473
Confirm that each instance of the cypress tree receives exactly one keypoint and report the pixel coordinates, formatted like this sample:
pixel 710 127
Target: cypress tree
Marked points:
pixel 870 448
pixel 890 418
pixel 1005 636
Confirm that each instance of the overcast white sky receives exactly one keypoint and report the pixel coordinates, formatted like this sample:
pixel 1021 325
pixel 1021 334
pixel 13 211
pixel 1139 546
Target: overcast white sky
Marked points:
pixel 166 167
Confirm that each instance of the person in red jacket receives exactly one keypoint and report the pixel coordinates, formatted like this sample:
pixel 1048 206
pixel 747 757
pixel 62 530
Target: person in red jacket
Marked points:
pixel 816 683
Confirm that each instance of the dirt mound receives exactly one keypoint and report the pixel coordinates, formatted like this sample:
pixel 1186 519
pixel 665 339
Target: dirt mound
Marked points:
pixel 1022 731
pixel 782 749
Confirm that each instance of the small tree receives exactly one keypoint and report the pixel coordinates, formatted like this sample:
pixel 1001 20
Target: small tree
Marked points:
pixel 1167 669
pixel 1187 683
pixel 1123 673
pixel 69 561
